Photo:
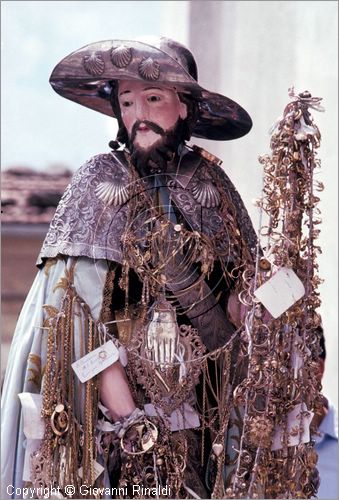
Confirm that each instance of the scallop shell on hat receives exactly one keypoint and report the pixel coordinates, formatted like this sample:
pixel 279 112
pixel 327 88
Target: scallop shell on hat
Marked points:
pixel 112 194
pixel 121 56
pixel 94 64
pixel 149 69
pixel 206 194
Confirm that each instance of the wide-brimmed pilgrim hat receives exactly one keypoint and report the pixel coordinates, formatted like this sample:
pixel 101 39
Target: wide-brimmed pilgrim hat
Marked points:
pixel 85 77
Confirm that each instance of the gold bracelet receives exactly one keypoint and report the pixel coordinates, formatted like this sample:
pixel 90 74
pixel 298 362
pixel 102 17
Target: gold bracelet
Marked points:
pixel 146 440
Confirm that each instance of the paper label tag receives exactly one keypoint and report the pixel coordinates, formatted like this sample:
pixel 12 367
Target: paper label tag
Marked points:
pixel 280 292
pixel 34 426
pixel 298 428
pixel 123 355
pixel 96 361
pixel 97 469
pixel 190 419
pixel 296 362
pixel 296 356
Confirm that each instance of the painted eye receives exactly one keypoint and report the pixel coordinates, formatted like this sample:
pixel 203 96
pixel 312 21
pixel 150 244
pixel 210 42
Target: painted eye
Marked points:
pixel 154 98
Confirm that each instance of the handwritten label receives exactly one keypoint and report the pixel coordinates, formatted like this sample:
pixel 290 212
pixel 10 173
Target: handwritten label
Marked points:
pixel 280 292
pixel 96 361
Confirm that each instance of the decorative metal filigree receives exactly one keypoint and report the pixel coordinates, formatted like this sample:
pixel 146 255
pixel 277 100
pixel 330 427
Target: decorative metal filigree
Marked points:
pixel 170 384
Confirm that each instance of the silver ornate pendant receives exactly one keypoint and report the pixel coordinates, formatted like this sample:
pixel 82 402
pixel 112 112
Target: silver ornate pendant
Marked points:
pixel 112 194
pixel 206 194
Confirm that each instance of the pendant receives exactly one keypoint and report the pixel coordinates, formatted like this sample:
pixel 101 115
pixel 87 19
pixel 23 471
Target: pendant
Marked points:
pixel 162 336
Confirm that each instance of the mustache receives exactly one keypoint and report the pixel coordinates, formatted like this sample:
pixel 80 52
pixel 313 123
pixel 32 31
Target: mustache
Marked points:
pixel 151 125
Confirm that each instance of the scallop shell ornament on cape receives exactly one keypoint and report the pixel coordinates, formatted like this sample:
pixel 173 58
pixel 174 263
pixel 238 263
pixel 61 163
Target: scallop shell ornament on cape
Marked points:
pixel 121 56
pixel 112 194
pixel 206 194
pixel 94 64
pixel 149 69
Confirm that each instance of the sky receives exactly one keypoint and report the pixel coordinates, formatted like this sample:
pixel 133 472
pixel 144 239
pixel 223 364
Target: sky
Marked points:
pixel 40 129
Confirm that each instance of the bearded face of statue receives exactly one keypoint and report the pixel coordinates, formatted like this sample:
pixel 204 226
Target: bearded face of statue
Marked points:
pixel 148 112
pixel 153 116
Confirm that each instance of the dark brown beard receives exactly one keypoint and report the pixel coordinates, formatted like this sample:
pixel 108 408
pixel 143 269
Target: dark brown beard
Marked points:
pixel 155 159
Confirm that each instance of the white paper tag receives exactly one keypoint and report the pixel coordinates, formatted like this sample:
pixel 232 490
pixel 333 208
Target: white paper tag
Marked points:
pixel 96 361
pixel 123 355
pixel 31 446
pixel 34 426
pixel 190 419
pixel 296 357
pixel 280 292
pixel 97 469
pixel 296 362
pixel 295 421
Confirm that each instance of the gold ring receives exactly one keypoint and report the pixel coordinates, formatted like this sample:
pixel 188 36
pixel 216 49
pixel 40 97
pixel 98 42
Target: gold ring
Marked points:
pixel 59 418
pixel 146 440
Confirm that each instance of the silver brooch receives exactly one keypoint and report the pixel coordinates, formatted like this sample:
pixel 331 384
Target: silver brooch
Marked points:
pixel 206 194
pixel 121 56
pixel 149 69
pixel 94 64
pixel 112 194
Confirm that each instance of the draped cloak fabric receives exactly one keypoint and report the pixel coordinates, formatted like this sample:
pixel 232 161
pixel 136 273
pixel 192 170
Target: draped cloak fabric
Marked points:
pixel 86 233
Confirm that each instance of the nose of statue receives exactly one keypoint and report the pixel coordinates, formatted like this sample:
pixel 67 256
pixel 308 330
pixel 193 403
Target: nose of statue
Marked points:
pixel 141 111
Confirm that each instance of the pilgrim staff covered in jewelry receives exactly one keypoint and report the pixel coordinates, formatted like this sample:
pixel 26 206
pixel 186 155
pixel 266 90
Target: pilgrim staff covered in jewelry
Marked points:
pixel 130 349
